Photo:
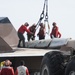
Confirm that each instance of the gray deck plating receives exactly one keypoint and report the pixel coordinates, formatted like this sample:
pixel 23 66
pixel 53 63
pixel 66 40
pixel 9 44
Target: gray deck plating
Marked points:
pixel 25 52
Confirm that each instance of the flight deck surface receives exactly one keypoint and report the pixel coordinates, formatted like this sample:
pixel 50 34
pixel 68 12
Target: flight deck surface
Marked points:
pixel 25 52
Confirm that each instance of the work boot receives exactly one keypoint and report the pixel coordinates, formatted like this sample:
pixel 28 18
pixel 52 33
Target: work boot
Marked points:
pixel 19 46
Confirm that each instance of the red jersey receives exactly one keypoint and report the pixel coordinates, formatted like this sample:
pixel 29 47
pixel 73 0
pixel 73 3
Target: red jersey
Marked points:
pixel 54 31
pixel 7 71
pixel 41 31
pixel 32 29
pixel 22 29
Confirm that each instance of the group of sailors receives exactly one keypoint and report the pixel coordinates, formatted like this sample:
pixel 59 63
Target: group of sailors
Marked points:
pixel 7 69
pixel 32 30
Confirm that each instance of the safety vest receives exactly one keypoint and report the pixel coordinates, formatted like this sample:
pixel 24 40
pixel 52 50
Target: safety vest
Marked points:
pixel 32 29
pixel 41 32
pixel 21 70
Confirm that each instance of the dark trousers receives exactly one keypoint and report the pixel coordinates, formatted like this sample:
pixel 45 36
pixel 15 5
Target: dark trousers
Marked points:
pixel 29 36
pixel 41 37
pixel 21 39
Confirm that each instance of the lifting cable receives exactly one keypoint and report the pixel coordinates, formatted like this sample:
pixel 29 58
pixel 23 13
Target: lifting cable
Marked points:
pixel 46 22
pixel 43 15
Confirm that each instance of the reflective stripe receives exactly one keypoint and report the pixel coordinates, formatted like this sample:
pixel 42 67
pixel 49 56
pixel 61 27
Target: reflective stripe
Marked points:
pixel 21 70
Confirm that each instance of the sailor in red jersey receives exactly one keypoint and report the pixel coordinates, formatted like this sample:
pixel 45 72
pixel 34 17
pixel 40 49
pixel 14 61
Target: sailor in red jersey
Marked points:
pixel 22 69
pixel 21 31
pixel 7 70
pixel 33 30
pixel 55 33
pixel 41 33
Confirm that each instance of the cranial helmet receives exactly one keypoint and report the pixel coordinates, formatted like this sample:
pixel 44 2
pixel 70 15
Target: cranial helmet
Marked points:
pixel 26 24
pixel 54 23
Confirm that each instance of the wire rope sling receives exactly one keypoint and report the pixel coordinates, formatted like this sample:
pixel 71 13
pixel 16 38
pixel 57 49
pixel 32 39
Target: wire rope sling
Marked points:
pixel 44 15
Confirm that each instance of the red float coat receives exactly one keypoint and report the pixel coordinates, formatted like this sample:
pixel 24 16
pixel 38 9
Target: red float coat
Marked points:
pixel 23 70
pixel 7 70
pixel 32 29
pixel 41 31
pixel 55 32
pixel 22 29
